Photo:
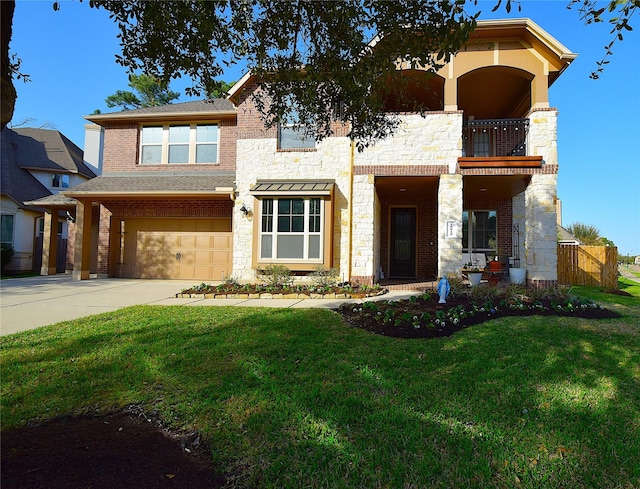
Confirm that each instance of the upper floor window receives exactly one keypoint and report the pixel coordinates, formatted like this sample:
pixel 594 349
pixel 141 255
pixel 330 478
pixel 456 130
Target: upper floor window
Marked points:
pixel 59 180
pixel 290 137
pixel 179 144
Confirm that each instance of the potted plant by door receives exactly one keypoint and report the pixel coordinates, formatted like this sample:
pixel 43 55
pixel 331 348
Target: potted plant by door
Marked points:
pixel 473 273
pixel 517 275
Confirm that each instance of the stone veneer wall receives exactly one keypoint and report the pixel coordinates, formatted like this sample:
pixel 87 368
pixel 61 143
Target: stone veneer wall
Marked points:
pixel 260 159
pixel 540 234
pixel 449 209
pixel 543 134
pixel 365 264
pixel 432 140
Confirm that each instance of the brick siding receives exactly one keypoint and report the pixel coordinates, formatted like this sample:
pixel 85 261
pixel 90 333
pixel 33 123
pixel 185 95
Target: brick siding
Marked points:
pixel 122 143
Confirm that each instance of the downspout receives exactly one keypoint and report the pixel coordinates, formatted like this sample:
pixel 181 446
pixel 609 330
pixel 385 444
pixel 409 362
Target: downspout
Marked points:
pixel 351 165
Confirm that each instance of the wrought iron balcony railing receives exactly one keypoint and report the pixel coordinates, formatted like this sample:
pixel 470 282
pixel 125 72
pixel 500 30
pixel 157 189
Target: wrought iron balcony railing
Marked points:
pixel 495 137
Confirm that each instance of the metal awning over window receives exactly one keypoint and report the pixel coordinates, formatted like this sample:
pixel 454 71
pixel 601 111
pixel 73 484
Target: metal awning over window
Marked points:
pixel 292 187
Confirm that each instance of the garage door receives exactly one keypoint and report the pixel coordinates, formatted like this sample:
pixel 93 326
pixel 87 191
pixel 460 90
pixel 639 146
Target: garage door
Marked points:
pixel 188 249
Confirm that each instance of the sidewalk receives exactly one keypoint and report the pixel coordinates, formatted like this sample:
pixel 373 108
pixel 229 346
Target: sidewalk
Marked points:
pixel 625 271
pixel 32 302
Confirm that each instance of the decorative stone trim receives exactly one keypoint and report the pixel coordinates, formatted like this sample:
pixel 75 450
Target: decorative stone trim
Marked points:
pixel 269 295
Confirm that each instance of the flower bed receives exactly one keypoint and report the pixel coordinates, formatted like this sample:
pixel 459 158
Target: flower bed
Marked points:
pixel 423 317
pixel 260 291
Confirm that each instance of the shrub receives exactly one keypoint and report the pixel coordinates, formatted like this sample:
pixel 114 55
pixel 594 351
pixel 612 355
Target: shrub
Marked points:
pixel 7 252
pixel 457 286
pixel 323 276
pixel 485 293
pixel 275 275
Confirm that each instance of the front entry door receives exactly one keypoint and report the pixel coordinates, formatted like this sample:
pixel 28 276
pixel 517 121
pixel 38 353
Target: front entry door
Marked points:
pixel 403 242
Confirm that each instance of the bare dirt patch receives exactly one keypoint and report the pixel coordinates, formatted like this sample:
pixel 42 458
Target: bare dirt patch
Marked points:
pixel 117 450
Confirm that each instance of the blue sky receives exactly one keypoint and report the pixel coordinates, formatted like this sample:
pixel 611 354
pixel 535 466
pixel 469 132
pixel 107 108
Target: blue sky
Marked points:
pixel 70 57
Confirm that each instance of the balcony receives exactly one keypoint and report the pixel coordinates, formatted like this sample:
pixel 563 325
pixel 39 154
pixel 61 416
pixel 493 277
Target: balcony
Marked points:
pixel 496 143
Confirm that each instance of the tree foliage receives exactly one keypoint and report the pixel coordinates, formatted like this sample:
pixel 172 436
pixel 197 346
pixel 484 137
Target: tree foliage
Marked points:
pixel 150 93
pixel 617 13
pixel 588 235
pixel 314 59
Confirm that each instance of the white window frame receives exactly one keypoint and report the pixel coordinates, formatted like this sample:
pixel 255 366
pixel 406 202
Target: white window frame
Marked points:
pixel 62 177
pixel 193 143
pixel 274 233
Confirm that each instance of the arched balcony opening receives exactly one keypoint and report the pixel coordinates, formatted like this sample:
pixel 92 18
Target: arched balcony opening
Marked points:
pixel 495 101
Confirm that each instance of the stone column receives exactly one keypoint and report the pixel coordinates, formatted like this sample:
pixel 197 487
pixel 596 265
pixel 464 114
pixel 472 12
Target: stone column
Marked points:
pixel 543 135
pixel 49 243
pixel 449 224
pixel 541 241
pixel 82 251
pixel 363 234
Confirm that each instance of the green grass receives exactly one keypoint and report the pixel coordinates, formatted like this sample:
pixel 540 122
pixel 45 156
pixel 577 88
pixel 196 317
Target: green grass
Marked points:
pixel 294 398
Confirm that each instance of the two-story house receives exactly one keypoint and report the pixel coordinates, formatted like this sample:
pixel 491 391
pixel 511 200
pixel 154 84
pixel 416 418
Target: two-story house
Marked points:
pixel 202 190
pixel 37 166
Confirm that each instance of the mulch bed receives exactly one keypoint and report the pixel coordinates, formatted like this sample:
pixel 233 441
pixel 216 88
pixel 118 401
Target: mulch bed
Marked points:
pixel 373 320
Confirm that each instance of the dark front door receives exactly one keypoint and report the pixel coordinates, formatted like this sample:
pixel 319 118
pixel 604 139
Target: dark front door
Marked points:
pixel 403 242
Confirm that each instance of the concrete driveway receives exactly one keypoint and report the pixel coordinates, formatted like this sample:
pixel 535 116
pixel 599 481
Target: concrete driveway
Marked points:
pixel 28 303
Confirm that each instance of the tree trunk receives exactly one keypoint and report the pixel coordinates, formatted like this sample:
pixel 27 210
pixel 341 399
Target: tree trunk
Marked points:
pixel 8 90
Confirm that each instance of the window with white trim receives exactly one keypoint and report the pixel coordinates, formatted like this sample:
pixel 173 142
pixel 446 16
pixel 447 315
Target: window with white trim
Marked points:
pixel 291 229
pixel 59 180
pixel 179 144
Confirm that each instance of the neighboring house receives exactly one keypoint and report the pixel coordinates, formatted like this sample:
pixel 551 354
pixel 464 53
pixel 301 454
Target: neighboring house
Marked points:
pixel 37 165
pixel 203 191
pixel 566 238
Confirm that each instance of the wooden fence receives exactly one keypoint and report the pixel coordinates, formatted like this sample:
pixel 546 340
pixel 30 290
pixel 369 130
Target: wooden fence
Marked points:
pixel 595 266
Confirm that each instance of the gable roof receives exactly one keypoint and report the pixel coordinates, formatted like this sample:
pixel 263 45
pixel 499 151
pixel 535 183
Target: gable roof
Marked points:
pixel 564 236
pixel 216 107
pixel 27 149
pixel 45 149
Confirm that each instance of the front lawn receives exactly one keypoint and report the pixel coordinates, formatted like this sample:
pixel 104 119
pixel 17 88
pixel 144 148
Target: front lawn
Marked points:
pixel 292 398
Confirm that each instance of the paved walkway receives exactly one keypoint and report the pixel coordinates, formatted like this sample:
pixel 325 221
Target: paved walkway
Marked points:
pixel 625 271
pixel 32 302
